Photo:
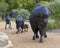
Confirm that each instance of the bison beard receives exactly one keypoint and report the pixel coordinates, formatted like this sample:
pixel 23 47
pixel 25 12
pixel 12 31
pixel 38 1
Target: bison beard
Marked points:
pixel 38 22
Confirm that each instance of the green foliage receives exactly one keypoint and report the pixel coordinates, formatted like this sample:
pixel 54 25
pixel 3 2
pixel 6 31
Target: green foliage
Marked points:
pixel 12 4
pixel 45 3
pixel 55 9
pixel 53 25
pixel 23 12
pixel 15 12
pixel 3 8
pixel 26 4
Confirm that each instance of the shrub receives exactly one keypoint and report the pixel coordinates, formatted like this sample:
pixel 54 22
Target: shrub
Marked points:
pixel 53 25
pixel 24 13
pixel 45 3
pixel 55 9
pixel 15 12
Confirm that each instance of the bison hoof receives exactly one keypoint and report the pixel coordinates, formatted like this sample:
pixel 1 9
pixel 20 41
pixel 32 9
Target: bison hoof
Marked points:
pixel 34 37
pixel 16 32
pixel 5 28
pixel 11 28
pixel 45 36
pixel 37 36
pixel 21 31
pixel 41 40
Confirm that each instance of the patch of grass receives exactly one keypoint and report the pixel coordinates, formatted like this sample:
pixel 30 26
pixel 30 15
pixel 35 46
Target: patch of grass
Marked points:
pixel 54 25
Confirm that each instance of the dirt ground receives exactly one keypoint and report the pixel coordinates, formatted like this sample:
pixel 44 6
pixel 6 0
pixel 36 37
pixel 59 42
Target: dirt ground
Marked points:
pixel 24 40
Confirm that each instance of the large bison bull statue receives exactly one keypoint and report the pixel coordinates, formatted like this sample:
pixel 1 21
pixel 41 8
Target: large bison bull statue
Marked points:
pixel 38 20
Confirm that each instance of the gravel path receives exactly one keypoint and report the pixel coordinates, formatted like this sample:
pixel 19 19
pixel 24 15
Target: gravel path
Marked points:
pixel 24 40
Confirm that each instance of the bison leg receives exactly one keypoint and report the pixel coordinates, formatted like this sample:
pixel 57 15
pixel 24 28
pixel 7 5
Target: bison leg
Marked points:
pixel 6 26
pixel 22 29
pixel 17 27
pixel 35 30
pixel 35 33
pixel 46 21
pixel 17 31
pixel 10 26
pixel 22 25
pixel 42 33
pixel 45 35
pixel 41 36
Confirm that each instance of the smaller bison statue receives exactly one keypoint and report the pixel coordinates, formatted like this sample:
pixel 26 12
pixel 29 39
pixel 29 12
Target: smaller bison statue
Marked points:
pixel 19 23
pixel 8 22
pixel 20 26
